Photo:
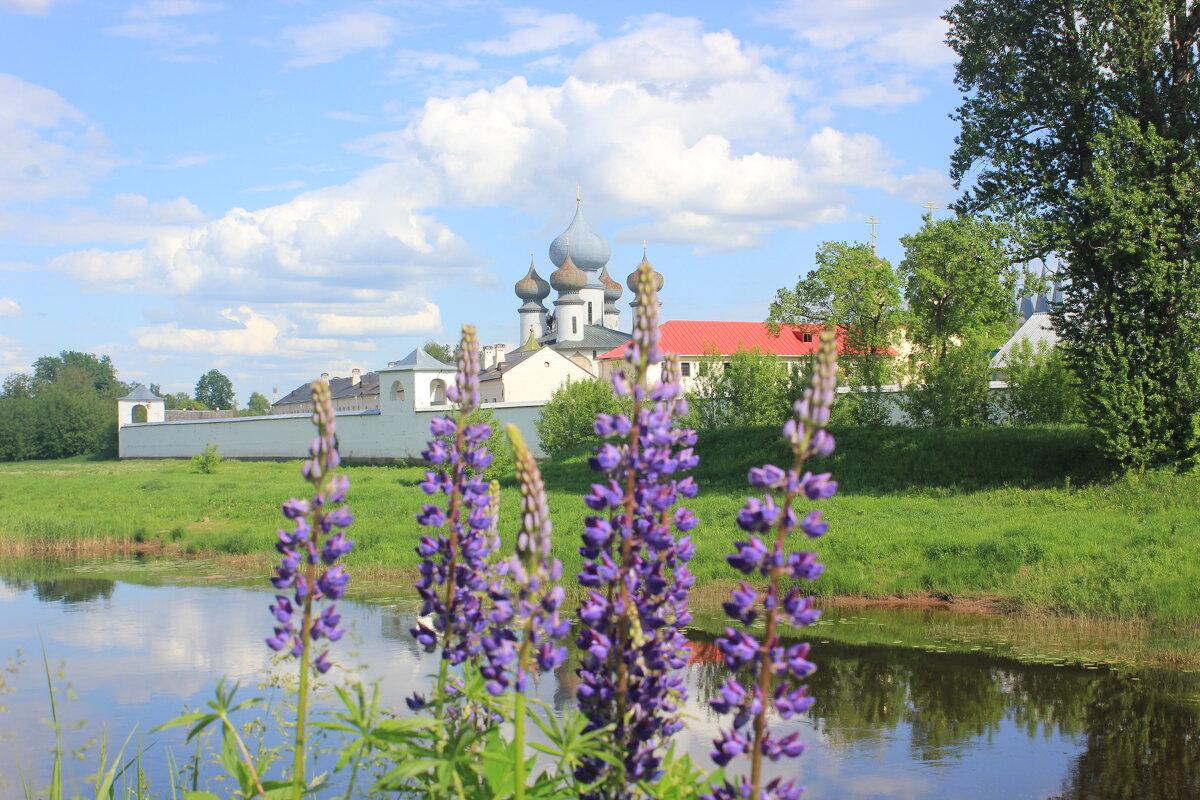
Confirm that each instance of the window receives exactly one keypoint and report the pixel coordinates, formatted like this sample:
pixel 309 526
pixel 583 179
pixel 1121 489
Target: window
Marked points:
pixel 589 313
pixel 685 368
pixel 397 391
pixel 437 392
pixel 574 324
pixel 727 365
pixel 808 337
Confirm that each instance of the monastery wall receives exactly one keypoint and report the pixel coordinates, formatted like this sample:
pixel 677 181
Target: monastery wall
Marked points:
pixel 368 436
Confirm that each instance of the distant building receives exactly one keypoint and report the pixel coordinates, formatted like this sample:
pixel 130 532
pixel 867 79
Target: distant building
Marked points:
pixel 141 405
pixel 359 392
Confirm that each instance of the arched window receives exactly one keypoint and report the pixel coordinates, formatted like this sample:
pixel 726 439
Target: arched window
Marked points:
pixel 140 413
pixel 437 392
pixel 398 391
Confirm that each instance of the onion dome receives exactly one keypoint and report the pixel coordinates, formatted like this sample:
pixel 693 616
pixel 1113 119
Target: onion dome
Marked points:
pixel 568 278
pixel 612 289
pixel 532 287
pixel 632 280
pixel 588 250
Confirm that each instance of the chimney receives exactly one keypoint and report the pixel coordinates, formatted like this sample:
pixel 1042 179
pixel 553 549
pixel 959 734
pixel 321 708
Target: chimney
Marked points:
pixel 355 376
pixel 500 348
pixel 489 356
pixel 325 376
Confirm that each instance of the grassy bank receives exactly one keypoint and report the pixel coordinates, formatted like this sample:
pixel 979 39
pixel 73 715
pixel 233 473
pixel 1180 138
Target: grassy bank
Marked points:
pixel 1029 520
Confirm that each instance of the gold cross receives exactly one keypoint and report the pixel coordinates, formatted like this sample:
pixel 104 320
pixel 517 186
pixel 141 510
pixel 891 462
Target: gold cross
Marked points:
pixel 578 193
pixel 873 222
pixel 929 207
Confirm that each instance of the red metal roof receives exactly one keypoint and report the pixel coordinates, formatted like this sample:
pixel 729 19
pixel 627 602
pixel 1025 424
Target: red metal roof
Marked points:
pixel 687 337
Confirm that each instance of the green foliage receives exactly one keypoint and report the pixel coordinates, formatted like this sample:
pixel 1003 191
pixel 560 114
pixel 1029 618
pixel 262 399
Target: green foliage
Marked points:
pixel 959 282
pixel 258 406
pixel 17 386
pixel 953 391
pixel 182 401
pixel 856 290
pixel 502 456
pixel 445 353
pixel 1085 121
pixel 566 419
pixel 1041 389
pixel 748 387
pixel 215 390
pixel 98 371
pixel 208 461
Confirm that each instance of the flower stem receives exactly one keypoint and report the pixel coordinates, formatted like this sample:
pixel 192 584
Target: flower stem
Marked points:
pixel 305 642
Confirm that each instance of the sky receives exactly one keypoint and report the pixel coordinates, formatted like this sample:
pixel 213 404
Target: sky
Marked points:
pixel 281 189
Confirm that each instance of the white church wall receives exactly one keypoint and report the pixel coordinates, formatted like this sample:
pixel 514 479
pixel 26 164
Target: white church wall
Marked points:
pixel 362 435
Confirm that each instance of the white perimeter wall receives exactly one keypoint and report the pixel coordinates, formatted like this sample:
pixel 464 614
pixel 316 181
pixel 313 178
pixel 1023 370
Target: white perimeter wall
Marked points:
pixel 366 435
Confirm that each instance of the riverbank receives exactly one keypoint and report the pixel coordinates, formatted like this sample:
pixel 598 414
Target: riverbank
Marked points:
pixel 1021 520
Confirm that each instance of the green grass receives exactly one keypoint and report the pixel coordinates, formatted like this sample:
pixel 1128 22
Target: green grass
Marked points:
pixel 1029 518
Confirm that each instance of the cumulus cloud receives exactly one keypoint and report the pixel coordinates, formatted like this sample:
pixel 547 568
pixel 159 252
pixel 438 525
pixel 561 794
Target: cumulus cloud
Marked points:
pixel 909 33
pixel 249 334
pixel 338 35
pixel 9 307
pixel 48 148
pixel 128 218
pixel 12 356
pixel 536 31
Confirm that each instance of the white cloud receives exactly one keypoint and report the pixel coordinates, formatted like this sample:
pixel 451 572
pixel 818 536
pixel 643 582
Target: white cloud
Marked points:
pixel 894 91
pixel 286 186
pixel 338 35
pixel 909 32
pixel 129 218
pixel 9 307
pixel 347 116
pixel 156 9
pixel 163 23
pixel 537 31
pixel 36 7
pixel 48 148
pixel 408 61
pixel 250 334
pixel 12 356
pixel 185 160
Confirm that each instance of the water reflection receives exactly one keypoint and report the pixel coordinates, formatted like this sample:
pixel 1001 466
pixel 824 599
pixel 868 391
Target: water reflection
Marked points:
pixel 890 722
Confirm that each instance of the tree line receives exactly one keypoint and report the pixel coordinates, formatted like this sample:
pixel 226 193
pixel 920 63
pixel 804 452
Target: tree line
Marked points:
pixel 67 406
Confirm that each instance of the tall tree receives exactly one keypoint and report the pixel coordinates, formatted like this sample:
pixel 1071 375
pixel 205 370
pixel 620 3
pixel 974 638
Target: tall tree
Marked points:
pixel 1084 115
pixel 959 281
pixel 99 369
pixel 852 288
pixel 258 404
pixel 446 353
pixel 215 390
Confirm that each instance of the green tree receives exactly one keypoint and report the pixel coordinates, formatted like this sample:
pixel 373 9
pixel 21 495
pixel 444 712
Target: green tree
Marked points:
pixel 446 353
pixel 953 390
pixel 854 289
pixel 99 370
pixel 959 282
pixel 259 405
pixel 748 387
pixel 17 385
pixel 215 390
pixel 1086 121
pixel 1041 389
pixel 566 419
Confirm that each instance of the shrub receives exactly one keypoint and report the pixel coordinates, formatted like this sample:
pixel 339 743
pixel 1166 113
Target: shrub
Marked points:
pixel 567 418
pixel 1042 390
pixel 953 392
pixel 750 388
pixel 207 462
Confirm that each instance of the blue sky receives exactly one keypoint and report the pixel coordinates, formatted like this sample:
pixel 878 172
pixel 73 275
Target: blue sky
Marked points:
pixel 280 189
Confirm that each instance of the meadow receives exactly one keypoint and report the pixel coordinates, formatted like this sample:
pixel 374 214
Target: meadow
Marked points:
pixel 1020 520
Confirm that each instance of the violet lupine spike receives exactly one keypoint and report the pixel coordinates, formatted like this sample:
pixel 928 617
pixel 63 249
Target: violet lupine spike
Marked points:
pixel 529 601
pixel 455 569
pixel 310 551
pixel 635 552
pixel 774 671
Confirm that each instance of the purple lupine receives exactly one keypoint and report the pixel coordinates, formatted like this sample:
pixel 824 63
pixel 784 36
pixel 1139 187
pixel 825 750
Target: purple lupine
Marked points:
pixel 635 564
pixel 526 598
pixel 455 570
pixel 768 663
pixel 310 550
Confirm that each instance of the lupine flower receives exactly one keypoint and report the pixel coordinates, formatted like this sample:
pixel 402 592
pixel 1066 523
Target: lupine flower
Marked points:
pixel 759 663
pixel 309 552
pixel 632 648
pixel 455 571
pixel 529 601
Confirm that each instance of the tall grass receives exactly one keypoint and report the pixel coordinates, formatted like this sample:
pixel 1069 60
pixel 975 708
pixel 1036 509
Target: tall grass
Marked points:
pixel 1030 518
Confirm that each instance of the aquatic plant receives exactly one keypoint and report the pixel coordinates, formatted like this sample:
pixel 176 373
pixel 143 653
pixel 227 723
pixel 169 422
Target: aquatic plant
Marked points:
pixel 635 565
pixel 766 662
pixel 308 565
